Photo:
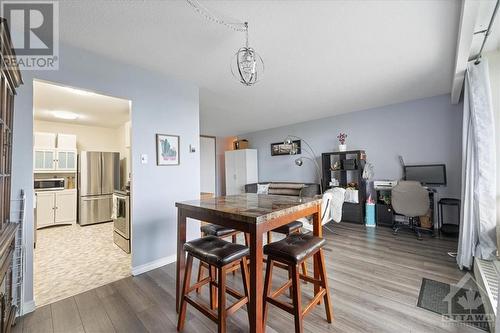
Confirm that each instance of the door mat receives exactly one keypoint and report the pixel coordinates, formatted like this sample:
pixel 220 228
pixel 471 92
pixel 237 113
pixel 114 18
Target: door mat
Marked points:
pixel 458 304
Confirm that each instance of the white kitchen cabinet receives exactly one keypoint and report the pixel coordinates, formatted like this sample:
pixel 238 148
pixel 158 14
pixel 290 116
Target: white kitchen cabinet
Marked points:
pixel 65 204
pixel 55 207
pixel 66 160
pixel 241 169
pixel 44 140
pixel 66 141
pixel 45 212
pixel 44 159
pixel 54 152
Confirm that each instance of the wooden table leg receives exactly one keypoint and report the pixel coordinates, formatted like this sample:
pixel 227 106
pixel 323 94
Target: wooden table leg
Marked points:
pixel 256 283
pixel 181 256
pixel 318 232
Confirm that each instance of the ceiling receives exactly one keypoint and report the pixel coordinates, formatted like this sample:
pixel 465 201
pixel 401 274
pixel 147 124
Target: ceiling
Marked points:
pixel 91 108
pixel 322 58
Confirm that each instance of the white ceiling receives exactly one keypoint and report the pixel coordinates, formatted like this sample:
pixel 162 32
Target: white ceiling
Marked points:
pixel 92 109
pixel 322 57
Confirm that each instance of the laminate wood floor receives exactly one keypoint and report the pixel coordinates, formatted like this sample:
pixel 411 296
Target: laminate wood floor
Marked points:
pixel 374 277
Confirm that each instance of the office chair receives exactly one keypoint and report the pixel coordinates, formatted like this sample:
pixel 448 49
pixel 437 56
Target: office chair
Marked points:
pixel 410 199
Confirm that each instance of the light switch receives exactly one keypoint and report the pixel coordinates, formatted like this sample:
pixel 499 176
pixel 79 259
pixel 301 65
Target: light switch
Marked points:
pixel 144 159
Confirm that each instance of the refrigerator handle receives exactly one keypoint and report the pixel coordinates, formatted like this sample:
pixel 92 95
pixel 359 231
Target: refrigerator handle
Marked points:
pixel 102 173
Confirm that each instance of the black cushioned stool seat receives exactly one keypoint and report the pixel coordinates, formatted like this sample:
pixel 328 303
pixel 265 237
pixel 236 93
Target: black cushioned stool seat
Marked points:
pixel 292 252
pixel 215 251
pixel 222 257
pixel 289 228
pixel 294 248
pixel 216 230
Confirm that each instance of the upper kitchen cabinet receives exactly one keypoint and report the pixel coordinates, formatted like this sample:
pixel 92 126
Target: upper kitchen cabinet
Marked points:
pixel 54 152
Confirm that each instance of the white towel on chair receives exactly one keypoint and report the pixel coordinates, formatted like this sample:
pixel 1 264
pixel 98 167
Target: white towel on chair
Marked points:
pixel 337 203
pixel 331 207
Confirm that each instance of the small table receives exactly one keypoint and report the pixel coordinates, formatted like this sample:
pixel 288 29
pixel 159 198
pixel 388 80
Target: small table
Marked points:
pixel 254 214
pixel 448 228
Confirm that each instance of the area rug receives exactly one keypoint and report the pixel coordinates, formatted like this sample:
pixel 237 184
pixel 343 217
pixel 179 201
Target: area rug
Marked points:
pixel 459 304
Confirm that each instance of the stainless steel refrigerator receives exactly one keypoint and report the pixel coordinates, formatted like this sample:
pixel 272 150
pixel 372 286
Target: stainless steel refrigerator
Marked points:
pixel 98 178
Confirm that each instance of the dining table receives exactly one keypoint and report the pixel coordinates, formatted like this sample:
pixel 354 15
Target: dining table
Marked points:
pixel 255 215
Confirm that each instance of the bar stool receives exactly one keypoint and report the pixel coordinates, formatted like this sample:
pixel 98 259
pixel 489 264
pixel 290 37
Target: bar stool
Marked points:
pixel 288 229
pixel 223 256
pixel 220 231
pixel 292 251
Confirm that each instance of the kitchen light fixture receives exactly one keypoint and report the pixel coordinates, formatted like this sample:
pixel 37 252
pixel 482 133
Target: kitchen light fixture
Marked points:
pixel 66 115
pixel 79 91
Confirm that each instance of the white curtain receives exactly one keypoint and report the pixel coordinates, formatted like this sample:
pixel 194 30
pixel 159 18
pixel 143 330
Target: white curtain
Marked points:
pixel 478 218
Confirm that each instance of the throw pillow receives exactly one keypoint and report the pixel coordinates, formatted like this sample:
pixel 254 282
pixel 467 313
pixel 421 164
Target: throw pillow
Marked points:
pixel 262 188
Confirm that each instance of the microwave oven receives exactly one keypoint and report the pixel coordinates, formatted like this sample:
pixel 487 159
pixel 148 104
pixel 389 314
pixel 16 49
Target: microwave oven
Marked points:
pixel 49 184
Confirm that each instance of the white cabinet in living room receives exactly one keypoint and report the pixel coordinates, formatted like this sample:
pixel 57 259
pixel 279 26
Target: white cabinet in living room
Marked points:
pixel 241 169
pixel 55 207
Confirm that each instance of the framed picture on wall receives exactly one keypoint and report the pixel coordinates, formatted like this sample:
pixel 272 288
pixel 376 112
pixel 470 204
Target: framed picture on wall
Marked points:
pixel 281 148
pixel 167 149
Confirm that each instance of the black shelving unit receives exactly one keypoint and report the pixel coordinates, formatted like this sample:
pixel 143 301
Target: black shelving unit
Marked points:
pixel 351 212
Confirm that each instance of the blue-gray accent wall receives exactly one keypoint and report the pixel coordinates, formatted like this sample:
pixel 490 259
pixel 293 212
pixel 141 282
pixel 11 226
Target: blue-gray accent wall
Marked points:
pixel 423 131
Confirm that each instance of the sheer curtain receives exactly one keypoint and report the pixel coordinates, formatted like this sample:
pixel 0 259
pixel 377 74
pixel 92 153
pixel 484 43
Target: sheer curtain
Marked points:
pixel 478 218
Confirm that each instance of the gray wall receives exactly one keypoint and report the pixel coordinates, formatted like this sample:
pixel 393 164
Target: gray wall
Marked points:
pixel 422 131
pixel 159 105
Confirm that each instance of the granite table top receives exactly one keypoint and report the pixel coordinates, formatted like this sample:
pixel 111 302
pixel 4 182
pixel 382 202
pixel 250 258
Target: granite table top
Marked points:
pixel 250 207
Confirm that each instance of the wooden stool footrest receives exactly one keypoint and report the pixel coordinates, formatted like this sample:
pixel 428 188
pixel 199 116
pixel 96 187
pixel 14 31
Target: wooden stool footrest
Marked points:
pixel 282 305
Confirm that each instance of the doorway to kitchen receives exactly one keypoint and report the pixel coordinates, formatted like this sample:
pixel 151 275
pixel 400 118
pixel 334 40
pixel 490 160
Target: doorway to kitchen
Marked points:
pixel 82 172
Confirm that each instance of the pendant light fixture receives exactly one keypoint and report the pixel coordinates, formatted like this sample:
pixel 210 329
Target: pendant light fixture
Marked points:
pixel 247 65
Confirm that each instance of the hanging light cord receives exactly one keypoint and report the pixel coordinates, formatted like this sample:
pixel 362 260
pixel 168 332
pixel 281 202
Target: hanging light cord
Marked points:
pixel 205 12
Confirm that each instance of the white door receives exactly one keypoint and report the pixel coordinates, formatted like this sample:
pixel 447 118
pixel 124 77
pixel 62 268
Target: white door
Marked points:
pixel 66 160
pixel 44 160
pixel 45 208
pixel 207 164
pixel 65 207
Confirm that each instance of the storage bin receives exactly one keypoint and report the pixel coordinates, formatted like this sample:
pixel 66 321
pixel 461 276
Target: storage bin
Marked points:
pixel 370 215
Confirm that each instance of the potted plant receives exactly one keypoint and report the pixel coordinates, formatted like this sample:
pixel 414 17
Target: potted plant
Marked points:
pixel 342 137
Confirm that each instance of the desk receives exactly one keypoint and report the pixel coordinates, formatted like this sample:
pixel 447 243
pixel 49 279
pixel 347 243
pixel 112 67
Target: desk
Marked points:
pixel 385 214
pixel 255 214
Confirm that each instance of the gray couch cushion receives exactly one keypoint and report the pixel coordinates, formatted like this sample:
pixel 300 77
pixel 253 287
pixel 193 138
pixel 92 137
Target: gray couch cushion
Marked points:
pixel 286 188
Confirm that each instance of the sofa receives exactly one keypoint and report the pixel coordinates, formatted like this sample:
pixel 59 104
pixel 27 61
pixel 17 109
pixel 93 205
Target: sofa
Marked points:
pixel 287 188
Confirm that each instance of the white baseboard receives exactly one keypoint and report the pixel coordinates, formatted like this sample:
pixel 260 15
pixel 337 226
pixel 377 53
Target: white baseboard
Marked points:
pixel 28 307
pixel 153 265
